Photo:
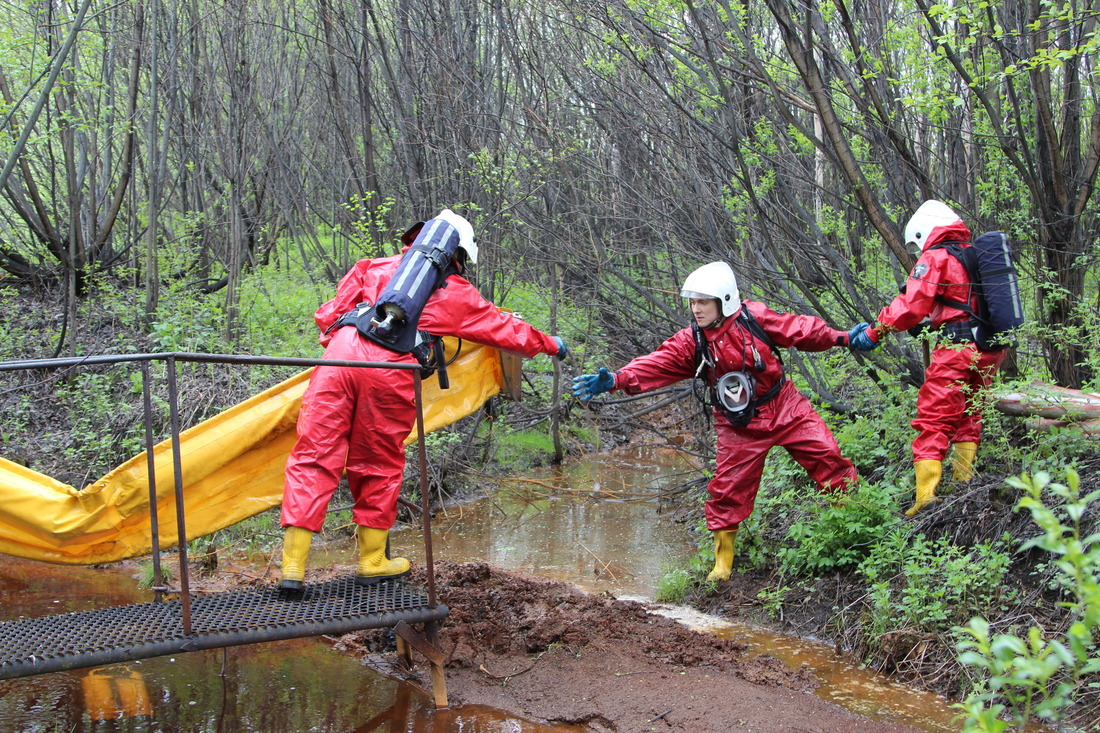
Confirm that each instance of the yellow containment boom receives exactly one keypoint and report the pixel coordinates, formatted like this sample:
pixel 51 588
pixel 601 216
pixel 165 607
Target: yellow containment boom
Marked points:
pixel 232 467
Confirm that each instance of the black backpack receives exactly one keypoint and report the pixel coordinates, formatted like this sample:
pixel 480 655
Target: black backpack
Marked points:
pixel 704 361
pixel 988 263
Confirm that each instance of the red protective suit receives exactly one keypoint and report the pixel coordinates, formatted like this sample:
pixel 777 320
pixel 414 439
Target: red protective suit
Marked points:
pixel 949 401
pixel 788 420
pixel 356 419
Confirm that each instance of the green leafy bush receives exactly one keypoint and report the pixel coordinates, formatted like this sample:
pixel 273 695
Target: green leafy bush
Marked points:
pixel 772 599
pixel 522 448
pixel 930 586
pixel 104 421
pixel 674 584
pixel 1038 675
pixel 189 321
pixel 879 445
pixel 837 536
pixel 277 312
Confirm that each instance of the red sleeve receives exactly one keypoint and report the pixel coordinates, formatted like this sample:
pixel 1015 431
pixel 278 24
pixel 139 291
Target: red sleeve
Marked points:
pixel 673 361
pixel 805 333
pixel 458 309
pixel 936 272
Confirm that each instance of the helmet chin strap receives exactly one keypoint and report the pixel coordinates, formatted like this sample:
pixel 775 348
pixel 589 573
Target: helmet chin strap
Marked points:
pixel 717 322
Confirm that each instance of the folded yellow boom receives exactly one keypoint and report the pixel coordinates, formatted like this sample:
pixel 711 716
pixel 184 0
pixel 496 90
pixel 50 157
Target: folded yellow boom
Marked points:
pixel 232 466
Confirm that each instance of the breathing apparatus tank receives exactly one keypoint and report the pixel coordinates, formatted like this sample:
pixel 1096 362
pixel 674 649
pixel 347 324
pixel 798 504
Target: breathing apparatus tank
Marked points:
pixel 393 320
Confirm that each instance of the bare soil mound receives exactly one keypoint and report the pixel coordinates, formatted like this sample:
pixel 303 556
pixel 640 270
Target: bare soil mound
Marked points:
pixel 550 652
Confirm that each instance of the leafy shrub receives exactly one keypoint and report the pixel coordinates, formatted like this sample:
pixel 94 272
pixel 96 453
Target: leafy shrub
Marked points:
pixel 11 338
pixel 837 536
pixel 104 422
pixel 931 586
pixel 522 448
pixel 1039 674
pixel 772 599
pixel 874 444
pixel 188 321
pixel 277 311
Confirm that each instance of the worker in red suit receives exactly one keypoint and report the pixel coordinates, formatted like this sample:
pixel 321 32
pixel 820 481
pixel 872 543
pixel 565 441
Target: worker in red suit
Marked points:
pixel 355 419
pixel 949 409
pixel 756 406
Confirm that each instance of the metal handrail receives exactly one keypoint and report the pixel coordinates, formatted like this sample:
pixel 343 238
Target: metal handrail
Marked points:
pixel 170 359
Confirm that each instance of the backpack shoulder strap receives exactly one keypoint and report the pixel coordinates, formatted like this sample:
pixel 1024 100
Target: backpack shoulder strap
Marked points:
pixel 749 321
pixel 746 317
pixel 965 257
pixel 703 359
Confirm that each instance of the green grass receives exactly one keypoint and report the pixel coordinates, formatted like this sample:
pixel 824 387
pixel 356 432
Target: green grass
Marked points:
pixel 673 585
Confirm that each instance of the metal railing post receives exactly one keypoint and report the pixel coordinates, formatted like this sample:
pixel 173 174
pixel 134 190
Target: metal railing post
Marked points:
pixel 150 462
pixel 425 512
pixel 177 470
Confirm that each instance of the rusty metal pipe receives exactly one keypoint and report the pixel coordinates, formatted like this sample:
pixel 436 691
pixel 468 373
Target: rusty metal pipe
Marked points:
pixel 426 514
pixel 181 522
pixel 150 463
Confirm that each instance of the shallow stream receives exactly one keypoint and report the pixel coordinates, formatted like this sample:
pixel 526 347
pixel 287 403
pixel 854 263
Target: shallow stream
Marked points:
pixel 593 524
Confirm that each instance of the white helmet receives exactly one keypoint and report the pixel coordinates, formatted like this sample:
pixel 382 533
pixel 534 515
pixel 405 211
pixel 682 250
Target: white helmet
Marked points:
pixel 465 232
pixel 929 216
pixel 715 280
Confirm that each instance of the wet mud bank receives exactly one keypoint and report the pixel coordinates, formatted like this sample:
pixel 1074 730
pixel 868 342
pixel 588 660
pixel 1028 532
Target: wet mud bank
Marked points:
pixel 549 651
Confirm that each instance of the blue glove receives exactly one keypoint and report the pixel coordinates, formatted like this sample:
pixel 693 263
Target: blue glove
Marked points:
pixel 562 350
pixel 587 386
pixel 861 337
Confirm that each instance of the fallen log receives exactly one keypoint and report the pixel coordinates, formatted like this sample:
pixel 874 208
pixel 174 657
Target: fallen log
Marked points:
pixel 1089 428
pixel 1051 402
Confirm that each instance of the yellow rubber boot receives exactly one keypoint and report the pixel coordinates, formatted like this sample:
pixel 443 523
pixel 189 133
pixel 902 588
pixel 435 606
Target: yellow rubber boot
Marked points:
pixel 723 554
pixel 374 566
pixel 962 460
pixel 929 474
pixel 296 543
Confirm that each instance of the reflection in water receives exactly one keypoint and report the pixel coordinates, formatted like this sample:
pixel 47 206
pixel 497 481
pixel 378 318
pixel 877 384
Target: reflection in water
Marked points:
pixel 295 685
pixel 594 524
pixel 117 691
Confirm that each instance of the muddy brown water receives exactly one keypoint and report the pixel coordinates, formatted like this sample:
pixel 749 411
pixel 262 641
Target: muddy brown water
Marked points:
pixel 593 523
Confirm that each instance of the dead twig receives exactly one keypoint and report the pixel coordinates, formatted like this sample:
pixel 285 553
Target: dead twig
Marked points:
pixel 606 565
pixel 508 676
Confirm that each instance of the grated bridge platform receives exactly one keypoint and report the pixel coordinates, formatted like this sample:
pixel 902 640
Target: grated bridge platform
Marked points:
pixel 139 631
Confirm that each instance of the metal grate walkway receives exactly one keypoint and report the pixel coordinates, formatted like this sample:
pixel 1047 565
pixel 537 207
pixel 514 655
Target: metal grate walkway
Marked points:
pixel 124 633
